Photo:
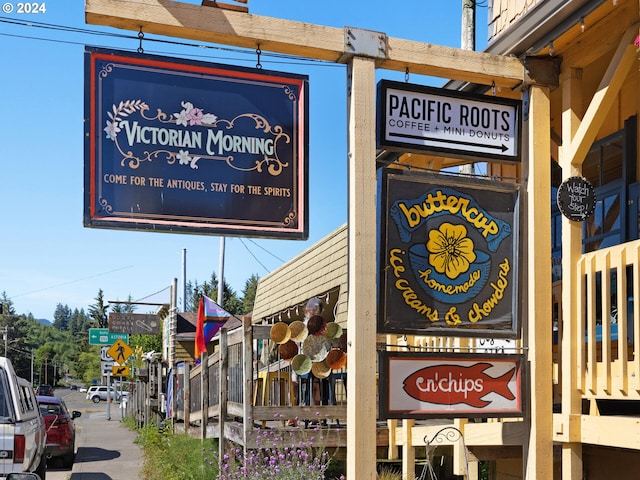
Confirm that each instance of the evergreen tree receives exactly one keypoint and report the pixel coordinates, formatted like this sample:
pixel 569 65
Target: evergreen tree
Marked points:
pixel 79 323
pixel 126 307
pixel 230 301
pixel 99 311
pixel 19 341
pixel 7 304
pixel 249 293
pixel 61 317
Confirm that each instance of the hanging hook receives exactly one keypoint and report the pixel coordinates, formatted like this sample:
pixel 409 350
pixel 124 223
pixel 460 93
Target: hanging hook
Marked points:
pixel 493 87
pixel 406 75
pixel 258 53
pixel 141 37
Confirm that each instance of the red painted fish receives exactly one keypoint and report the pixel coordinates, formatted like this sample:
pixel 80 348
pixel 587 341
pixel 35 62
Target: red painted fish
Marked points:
pixel 454 384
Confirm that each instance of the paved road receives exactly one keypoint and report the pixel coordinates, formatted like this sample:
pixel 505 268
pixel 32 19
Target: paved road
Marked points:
pixel 105 447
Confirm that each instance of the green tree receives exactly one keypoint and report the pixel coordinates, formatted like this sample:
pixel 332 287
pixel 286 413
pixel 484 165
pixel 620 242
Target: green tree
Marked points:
pixel 148 343
pixel 99 311
pixel 7 304
pixel 125 307
pixel 89 365
pixel 61 317
pixel 18 342
pixel 44 358
pixel 79 323
pixel 230 301
pixel 249 293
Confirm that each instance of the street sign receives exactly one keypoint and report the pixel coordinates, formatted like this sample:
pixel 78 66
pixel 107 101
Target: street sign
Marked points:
pixel 120 351
pixel 104 356
pixel 420 118
pixel 102 336
pixel 106 368
pixel 139 323
pixel 121 371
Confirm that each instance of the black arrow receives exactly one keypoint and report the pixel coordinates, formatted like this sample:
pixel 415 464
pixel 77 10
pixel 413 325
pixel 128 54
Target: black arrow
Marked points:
pixel 121 370
pixel 502 147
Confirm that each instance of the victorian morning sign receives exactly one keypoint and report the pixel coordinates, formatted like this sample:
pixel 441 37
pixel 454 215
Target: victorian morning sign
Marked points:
pixel 448 260
pixel 185 146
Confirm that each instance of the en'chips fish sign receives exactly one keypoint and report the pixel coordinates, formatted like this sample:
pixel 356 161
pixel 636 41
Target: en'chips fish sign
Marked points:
pixel 418 385
pixel 447 122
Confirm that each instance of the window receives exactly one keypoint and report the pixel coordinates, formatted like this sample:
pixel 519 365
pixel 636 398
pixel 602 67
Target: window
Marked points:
pixel 610 166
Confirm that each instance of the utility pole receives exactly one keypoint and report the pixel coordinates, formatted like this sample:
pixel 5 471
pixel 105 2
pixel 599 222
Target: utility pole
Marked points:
pixel 5 336
pixel 184 279
pixel 221 273
pixel 468 42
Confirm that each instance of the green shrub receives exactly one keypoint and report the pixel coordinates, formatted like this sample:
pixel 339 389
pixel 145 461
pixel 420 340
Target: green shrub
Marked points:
pixel 172 456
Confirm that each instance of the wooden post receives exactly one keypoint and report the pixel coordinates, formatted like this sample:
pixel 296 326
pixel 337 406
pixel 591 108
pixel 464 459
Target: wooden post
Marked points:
pixel 361 314
pixel 408 450
pixel 247 377
pixel 223 388
pixel 159 391
pixel 204 394
pixel 186 399
pixel 538 448
pixel 572 111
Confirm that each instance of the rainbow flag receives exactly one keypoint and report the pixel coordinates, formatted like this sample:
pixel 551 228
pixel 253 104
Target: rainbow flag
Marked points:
pixel 211 318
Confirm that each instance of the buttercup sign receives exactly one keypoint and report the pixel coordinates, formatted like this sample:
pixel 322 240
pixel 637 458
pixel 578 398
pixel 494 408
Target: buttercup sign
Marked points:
pixel 194 147
pixel 448 256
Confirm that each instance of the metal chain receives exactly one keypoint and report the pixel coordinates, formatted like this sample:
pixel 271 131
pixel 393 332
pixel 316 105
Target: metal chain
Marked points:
pixel 141 37
pixel 258 53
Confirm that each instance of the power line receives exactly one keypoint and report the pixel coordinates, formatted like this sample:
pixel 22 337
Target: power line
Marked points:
pixel 135 38
pixel 264 249
pixel 69 282
pixel 154 293
pixel 254 257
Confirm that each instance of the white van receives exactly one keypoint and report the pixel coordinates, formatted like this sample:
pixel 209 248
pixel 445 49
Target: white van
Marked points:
pixel 99 392
pixel 22 431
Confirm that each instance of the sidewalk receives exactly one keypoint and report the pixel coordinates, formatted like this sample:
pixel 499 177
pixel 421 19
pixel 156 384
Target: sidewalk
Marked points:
pixel 105 448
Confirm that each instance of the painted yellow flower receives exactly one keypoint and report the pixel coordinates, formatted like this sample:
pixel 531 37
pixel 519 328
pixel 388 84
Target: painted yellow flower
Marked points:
pixel 450 250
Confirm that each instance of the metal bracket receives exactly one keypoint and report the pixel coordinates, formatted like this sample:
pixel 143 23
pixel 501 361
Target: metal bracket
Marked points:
pixel 365 43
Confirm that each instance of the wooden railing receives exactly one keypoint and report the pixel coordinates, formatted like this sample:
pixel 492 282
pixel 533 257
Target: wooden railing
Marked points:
pixel 608 360
pixel 229 384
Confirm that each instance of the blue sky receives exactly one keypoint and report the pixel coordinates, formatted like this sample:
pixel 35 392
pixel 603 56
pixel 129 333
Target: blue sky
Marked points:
pixel 47 256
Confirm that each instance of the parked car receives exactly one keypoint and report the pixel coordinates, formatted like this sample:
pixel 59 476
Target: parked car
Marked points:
pixel 99 392
pixel 61 430
pixel 23 433
pixel 45 389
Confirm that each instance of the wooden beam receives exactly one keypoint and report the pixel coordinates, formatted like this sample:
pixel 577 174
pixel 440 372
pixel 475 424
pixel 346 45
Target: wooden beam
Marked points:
pixel 225 6
pixel 215 25
pixel 538 448
pixel 619 66
pixel 570 324
pixel 361 313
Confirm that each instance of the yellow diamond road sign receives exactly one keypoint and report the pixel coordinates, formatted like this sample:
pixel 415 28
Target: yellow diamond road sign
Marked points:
pixel 120 351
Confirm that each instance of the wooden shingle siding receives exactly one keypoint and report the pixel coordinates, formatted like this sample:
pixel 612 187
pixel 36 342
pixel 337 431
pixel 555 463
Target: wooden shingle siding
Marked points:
pixel 502 14
pixel 320 269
